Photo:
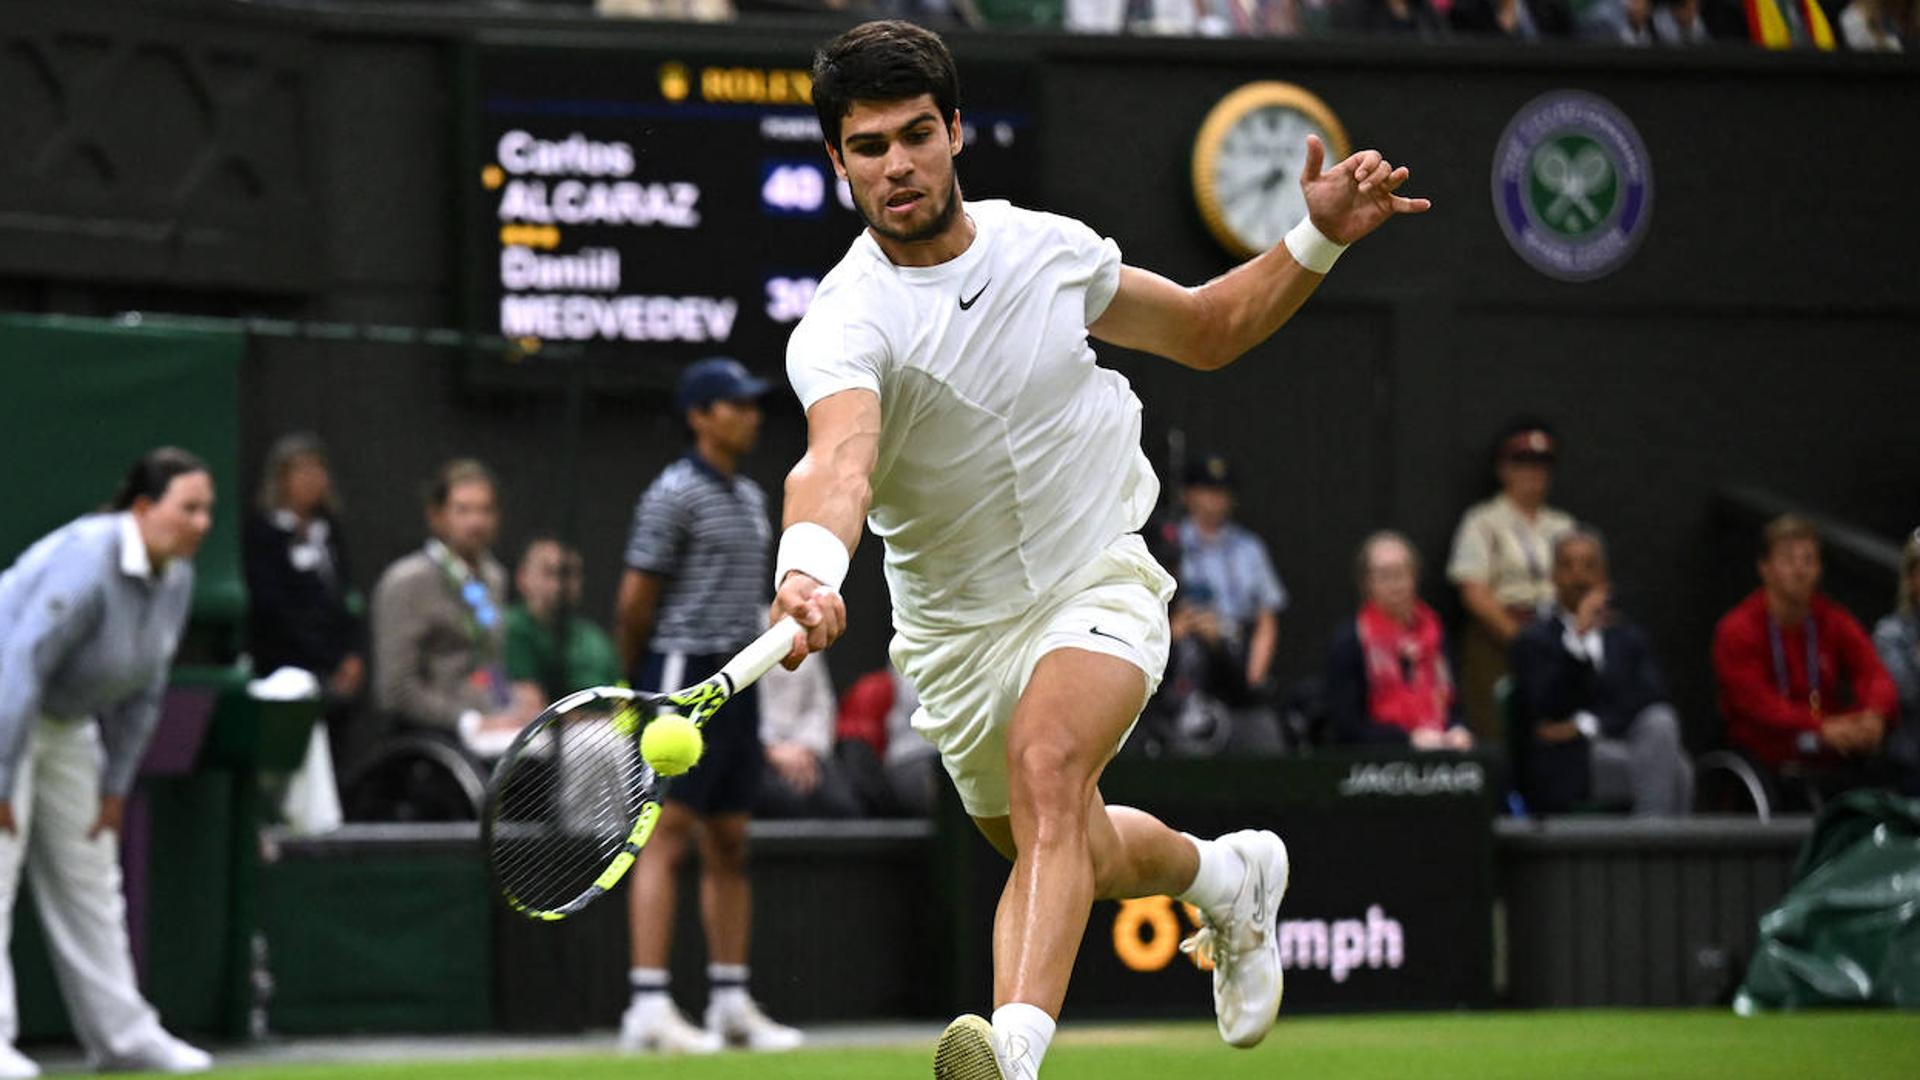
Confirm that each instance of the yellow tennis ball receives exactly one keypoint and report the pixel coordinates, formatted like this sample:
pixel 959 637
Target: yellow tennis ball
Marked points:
pixel 671 744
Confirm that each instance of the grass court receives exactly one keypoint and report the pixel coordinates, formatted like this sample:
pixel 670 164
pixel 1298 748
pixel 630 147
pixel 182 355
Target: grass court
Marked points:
pixel 1453 1046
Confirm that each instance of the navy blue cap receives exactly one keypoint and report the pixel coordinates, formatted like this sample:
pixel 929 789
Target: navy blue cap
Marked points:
pixel 717 378
pixel 1210 470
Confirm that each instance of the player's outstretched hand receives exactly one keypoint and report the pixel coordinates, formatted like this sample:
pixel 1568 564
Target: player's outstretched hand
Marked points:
pixel 820 611
pixel 1356 196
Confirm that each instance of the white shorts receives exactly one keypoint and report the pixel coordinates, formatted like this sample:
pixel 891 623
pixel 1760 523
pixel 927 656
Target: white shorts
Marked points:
pixel 970 679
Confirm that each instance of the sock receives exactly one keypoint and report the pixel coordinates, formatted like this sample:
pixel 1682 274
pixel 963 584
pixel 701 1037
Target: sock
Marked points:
pixel 1218 882
pixel 1021 1033
pixel 727 985
pixel 648 984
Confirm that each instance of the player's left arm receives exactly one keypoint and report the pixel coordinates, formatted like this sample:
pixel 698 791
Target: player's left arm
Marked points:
pixel 1210 326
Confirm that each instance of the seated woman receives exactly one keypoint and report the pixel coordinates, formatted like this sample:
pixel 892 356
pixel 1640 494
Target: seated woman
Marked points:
pixel 1388 681
pixel 1897 639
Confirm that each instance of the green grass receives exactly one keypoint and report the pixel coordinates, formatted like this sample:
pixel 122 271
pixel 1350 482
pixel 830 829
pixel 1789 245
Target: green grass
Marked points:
pixel 1533 1046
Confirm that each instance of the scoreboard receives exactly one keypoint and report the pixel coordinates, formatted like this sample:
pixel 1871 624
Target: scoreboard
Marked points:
pixel 651 207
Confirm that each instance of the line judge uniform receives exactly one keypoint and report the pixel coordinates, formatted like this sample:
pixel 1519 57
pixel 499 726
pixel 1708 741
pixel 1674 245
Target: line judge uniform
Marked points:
pixel 88 628
pixel 1499 547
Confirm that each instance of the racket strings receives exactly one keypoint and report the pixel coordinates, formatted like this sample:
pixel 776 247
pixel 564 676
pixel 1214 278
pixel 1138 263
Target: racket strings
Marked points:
pixel 565 805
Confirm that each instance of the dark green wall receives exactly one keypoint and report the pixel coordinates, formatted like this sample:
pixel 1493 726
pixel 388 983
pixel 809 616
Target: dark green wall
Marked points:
pixel 1761 335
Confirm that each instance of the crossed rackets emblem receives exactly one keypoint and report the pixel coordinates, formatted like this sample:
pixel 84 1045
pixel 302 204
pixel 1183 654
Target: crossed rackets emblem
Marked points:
pixel 1573 179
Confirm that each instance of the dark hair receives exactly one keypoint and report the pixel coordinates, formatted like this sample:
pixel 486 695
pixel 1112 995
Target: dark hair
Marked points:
pixel 1785 528
pixel 885 60
pixel 150 476
pixel 452 475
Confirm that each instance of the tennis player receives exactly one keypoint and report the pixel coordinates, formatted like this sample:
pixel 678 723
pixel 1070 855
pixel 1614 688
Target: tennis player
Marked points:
pixel 953 402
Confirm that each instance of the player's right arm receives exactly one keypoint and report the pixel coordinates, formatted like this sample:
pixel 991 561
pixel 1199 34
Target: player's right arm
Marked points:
pixel 827 495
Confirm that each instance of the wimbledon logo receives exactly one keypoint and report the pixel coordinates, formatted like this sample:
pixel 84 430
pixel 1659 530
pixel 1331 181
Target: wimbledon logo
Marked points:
pixel 1572 185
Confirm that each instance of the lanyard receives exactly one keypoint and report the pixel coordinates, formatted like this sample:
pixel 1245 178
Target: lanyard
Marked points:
pixel 1524 537
pixel 482 615
pixel 1813 662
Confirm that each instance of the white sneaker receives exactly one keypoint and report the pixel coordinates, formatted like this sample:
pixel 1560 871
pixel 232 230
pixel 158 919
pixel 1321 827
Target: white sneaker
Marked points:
pixel 162 1054
pixel 1243 943
pixel 966 1051
pixel 743 1025
pixel 654 1025
pixel 15 1065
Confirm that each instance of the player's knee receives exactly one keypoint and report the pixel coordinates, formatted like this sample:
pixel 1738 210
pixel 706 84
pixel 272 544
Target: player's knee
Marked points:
pixel 1049 778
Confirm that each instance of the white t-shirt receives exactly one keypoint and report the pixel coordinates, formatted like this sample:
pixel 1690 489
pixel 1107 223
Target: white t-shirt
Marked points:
pixel 1008 458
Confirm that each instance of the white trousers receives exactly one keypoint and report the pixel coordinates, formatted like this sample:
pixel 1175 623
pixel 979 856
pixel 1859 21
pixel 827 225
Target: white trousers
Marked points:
pixel 77 889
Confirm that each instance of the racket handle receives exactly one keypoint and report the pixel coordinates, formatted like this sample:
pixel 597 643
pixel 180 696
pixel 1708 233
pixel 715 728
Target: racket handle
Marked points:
pixel 758 658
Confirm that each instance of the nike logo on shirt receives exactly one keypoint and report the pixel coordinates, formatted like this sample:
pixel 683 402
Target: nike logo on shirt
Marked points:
pixel 1102 633
pixel 967 303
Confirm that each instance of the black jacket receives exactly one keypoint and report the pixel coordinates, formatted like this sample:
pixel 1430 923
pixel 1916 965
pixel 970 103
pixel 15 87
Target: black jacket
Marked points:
pixel 296 617
pixel 1348 721
pixel 1551 684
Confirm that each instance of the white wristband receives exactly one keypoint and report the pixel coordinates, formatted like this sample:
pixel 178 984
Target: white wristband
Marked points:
pixel 1311 248
pixel 814 551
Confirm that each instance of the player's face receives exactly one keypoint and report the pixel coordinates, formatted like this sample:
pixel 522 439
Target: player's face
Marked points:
pixel 468 521
pixel 174 524
pixel 897 159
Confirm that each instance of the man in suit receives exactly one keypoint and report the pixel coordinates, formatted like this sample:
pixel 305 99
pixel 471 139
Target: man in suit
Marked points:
pixel 1597 727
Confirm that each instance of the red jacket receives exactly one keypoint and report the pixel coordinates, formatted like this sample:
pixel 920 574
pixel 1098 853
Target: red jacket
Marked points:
pixel 1763 722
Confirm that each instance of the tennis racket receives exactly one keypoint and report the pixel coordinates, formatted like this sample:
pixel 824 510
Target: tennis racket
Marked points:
pixel 572 801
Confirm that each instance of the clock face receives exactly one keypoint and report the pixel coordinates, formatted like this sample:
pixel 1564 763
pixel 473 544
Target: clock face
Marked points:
pixel 1248 159
pixel 1257 173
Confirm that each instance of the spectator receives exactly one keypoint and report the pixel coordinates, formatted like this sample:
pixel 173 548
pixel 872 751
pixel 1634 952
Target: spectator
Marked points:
pixel 1681 22
pixel 1616 22
pixel 1596 722
pixel 1517 20
pixel 437 627
pixel 1224 628
pixel 89 620
pixel 1801 689
pixel 538 650
pixel 1225 570
pixel 1897 638
pixel 300 601
pixel 1388 680
pixel 694 592
pixel 1502 552
pixel 1874 25
pixel 674 10
pixel 798 722
pixel 1399 18
pixel 897 770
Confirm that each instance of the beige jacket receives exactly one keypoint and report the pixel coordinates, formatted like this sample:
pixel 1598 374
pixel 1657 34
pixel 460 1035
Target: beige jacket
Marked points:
pixel 428 667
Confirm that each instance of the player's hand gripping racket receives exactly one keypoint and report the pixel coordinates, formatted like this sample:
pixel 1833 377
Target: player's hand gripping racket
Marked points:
pixel 573 801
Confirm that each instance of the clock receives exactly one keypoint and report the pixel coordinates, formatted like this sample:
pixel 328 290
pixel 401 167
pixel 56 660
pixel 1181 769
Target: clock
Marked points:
pixel 1247 161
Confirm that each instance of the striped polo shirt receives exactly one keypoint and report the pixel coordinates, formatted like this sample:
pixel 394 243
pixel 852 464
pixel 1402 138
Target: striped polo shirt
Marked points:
pixel 707 535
